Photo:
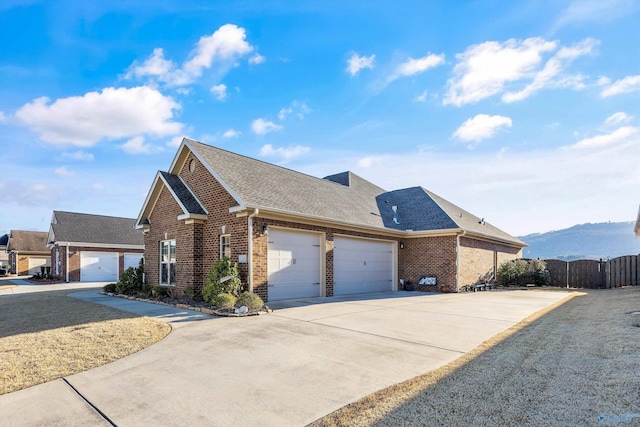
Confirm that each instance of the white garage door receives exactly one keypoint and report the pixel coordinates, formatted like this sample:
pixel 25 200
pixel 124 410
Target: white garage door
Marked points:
pixel 98 267
pixel 361 266
pixel 293 265
pixel 35 264
pixel 132 260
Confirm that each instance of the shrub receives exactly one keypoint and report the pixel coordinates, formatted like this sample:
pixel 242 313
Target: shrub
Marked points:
pixel 110 288
pixel 224 300
pixel 520 272
pixel 250 300
pixel 130 281
pixel 188 292
pixel 160 291
pixel 219 270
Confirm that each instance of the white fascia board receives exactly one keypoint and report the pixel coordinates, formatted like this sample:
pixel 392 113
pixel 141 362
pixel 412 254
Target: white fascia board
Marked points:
pixel 100 245
pixel 494 239
pixel 147 200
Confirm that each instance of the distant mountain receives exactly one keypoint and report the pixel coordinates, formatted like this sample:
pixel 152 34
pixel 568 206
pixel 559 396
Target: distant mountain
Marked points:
pixel 590 241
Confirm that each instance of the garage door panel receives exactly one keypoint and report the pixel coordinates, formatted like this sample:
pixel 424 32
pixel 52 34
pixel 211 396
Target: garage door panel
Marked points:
pixel 132 260
pixel 98 266
pixel 36 262
pixel 293 265
pixel 362 266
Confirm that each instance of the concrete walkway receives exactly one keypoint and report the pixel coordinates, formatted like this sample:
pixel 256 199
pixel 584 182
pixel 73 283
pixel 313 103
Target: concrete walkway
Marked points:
pixel 301 362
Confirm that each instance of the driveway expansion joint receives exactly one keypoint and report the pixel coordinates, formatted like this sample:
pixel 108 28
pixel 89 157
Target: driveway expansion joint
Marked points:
pixel 94 407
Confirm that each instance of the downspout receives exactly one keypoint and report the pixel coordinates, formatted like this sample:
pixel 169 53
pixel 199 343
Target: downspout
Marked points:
pixel 458 236
pixel 67 262
pixel 250 248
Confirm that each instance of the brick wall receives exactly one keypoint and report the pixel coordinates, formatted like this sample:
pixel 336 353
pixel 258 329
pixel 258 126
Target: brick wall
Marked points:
pixel 431 256
pixel 480 259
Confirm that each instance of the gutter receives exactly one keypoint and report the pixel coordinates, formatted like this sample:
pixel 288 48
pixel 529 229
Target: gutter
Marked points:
pixel 458 236
pixel 250 248
pixel 67 262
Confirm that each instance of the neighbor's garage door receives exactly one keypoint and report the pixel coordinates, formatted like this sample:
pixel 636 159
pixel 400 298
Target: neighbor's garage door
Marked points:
pixel 35 263
pixel 132 260
pixel 293 265
pixel 361 265
pixel 98 266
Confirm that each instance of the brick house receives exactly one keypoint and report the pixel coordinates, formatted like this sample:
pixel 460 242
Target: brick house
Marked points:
pixel 27 252
pixel 92 248
pixel 295 236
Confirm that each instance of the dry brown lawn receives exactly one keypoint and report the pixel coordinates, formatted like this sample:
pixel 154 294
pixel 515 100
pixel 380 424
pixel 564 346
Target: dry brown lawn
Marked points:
pixel 48 335
pixel 567 365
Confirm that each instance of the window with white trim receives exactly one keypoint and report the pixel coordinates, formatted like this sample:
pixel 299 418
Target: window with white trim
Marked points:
pixel 168 262
pixel 225 246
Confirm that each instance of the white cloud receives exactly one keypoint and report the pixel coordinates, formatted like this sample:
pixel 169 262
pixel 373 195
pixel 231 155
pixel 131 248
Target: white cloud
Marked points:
pixel 219 91
pixel 222 49
pixel 422 97
pixel 297 108
pixel 3 117
pixel 184 90
pixel 262 126
pixel 625 85
pixel 63 171
pixel 551 74
pixel 357 63
pixel 370 161
pixel 481 127
pixel 617 118
pixel 79 155
pixel 618 136
pixel 593 11
pixel 257 59
pixel 284 153
pixel 484 69
pixel 231 133
pixel 413 66
pixel 136 145
pixel 110 114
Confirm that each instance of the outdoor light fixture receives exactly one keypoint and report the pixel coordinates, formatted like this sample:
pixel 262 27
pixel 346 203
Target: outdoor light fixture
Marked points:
pixel 265 229
pixel 401 245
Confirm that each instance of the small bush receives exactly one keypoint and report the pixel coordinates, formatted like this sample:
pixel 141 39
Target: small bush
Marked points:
pixel 224 300
pixel 250 300
pixel 160 291
pixel 110 288
pixel 521 272
pixel 213 287
pixel 130 282
pixel 188 292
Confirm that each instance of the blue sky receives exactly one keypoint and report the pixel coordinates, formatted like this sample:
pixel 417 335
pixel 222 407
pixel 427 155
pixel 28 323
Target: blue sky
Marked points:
pixel 525 113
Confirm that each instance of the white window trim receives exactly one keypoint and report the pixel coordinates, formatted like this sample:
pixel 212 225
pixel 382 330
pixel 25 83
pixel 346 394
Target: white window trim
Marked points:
pixel 222 247
pixel 169 263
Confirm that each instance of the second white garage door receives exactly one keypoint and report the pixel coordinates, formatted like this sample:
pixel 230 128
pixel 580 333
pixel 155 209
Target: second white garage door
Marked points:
pixel 98 267
pixel 361 266
pixel 35 264
pixel 293 265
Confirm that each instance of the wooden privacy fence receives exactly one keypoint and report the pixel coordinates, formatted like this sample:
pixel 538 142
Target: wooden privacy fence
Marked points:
pixel 586 273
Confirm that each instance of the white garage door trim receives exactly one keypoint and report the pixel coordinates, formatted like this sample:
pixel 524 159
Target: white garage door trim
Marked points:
pixel 132 260
pixel 295 264
pixel 99 266
pixel 36 262
pixel 363 265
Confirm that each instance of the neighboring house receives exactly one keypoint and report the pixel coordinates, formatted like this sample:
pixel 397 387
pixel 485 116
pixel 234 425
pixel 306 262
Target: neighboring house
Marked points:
pixel 4 256
pixel 297 236
pixel 93 248
pixel 27 252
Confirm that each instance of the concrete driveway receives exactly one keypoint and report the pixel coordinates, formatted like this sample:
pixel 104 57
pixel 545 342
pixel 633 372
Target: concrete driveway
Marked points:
pixel 303 361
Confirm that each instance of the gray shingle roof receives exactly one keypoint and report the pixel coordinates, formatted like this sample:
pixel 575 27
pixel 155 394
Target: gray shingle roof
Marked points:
pixel 27 241
pixel 343 197
pixel 191 204
pixel 98 229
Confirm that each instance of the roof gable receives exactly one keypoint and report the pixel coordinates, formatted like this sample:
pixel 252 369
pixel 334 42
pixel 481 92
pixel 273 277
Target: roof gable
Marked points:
pixel 75 227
